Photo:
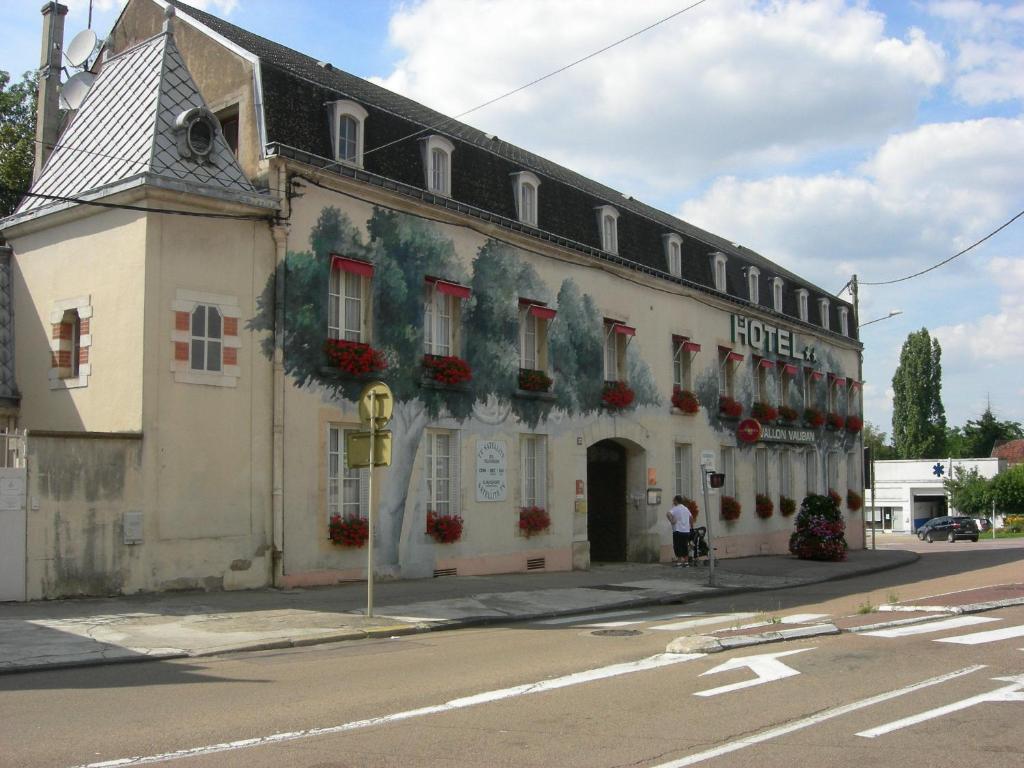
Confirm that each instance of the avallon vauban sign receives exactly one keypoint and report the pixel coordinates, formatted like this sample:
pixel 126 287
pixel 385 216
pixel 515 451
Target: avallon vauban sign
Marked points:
pixel 772 434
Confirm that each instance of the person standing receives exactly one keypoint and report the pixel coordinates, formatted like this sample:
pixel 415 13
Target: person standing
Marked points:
pixel 680 518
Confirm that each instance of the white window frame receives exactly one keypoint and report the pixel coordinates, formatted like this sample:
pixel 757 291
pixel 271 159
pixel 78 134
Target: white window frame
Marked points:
pixel 342 109
pixel 615 346
pixel 76 375
pixel 187 300
pixel 729 469
pixel 206 340
pixel 442 488
pixel 753 285
pixel 853 471
pixel 823 313
pixel 673 253
pixel 526 188
pixel 348 291
pixel 783 386
pixel 786 473
pixel 761 471
pixel 531 326
pixel 777 286
pixel 718 276
pixel 810 389
pixel 533 452
pixel 811 479
pixel 682 460
pixel 726 373
pixel 844 321
pixel 340 477
pixel 763 386
pixel 802 304
pixel 437 179
pixel 440 322
pixel 608 227
pixel 832 470
pixel 682 368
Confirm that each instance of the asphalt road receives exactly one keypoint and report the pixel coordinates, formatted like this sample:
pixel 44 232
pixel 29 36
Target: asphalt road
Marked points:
pixel 594 691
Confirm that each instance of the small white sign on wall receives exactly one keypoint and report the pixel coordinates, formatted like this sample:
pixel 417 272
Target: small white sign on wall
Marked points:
pixel 491 470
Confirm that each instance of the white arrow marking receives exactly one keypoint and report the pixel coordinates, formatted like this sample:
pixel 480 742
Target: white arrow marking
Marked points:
pixel 1007 693
pixel 931 626
pixel 766 666
pixel 985 637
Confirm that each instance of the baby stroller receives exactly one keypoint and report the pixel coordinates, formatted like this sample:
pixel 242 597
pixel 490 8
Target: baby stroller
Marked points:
pixel 699 545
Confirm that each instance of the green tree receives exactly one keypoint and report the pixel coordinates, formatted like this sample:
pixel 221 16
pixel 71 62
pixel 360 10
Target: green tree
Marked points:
pixel 1008 491
pixel 969 492
pixel 956 444
pixel 981 435
pixel 918 418
pixel 874 439
pixel 17 135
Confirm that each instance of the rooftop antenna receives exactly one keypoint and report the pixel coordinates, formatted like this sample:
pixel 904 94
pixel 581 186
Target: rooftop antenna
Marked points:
pixel 80 49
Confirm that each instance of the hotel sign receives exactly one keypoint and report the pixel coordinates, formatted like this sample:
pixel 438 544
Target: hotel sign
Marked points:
pixel 766 338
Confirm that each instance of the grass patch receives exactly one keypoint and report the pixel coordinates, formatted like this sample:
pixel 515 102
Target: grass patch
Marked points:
pixel 866 607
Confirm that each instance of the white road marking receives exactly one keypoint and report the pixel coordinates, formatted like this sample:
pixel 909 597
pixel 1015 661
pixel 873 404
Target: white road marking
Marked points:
pixel 723 619
pixel 930 626
pixel 803 618
pixel 820 717
pixel 632 622
pixel 985 637
pixel 590 617
pixel 1006 693
pixel 576 678
pixel 766 666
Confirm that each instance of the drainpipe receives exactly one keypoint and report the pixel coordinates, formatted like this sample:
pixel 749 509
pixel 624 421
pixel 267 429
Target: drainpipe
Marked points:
pixel 280 233
pixel 50 62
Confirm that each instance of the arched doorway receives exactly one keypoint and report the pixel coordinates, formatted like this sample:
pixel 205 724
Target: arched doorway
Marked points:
pixel 606 501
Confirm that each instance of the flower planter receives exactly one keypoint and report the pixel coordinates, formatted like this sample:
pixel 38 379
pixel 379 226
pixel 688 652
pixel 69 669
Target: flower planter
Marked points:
pixel 349 532
pixel 854 501
pixel 691 505
pixel 729 408
pixel 533 520
pixel 836 498
pixel 534 381
pixel 685 401
pixel 764 412
pixel 764 506
pixel 836 422
pixel 788 415
pixel 448 370
pixel 787 506
pixel 617 395
pixel 820 530
pixel 353 357
pixel 444 529
pixel 813 417
pixel 731 508
pixel 854 424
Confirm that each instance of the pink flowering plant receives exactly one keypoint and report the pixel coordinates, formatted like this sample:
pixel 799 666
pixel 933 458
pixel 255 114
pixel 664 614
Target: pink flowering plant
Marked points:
pixel 820 530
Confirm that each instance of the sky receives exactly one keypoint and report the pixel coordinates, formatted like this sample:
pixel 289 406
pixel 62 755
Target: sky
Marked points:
pixel 835 138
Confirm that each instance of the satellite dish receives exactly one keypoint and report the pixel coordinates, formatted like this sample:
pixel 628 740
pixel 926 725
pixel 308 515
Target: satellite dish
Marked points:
pixel 72 94
pixel 81 48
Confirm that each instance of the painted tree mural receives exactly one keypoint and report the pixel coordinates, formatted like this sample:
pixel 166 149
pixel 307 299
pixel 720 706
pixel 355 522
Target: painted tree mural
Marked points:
pixel 404 250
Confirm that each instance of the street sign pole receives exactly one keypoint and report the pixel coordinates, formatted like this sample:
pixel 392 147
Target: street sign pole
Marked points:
pixel 369 510
pixel 704 471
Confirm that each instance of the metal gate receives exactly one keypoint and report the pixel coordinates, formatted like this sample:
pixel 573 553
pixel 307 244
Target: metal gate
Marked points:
pixel 13 482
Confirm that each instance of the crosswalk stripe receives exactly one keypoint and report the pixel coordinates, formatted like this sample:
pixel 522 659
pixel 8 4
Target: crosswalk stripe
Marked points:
pixel 803 618
pixel 1003 633
pixel 930 626
pixel 724 618
pixel 591 617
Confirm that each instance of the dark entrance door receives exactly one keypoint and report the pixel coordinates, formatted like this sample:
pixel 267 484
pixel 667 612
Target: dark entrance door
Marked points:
pixel 606 501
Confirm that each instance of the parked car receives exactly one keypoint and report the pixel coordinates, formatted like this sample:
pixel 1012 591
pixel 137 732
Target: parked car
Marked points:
pixel 948 529
pixel 984 524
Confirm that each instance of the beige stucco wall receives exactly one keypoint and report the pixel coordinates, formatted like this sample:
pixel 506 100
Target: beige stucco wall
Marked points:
pixel 100 256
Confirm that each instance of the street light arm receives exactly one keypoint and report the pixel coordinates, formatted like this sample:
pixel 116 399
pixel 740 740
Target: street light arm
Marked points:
pixel 892 313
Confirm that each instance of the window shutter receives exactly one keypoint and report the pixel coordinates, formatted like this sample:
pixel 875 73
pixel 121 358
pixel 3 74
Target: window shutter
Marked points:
pixel 428 470
pixel 524 468
pixel 542 472
pixel 455 462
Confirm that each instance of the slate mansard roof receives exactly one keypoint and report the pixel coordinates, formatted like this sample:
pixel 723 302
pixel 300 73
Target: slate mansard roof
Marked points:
pixel 123 135
pixel 296 88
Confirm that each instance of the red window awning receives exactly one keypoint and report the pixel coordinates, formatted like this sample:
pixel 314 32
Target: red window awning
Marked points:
pixel 354 266
pixel 764 363
pixel 685 344
pixel 452 289
pixel 816 375
pixel 730 356
pixel 625 330
pixel 788 368
pixel 839 381
pixel 544 313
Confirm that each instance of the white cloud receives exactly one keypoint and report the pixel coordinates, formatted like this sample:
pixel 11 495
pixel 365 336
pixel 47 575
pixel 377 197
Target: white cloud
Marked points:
pixel 997 336
pixel 730 85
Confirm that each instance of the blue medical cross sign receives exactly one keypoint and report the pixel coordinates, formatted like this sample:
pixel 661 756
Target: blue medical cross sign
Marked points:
pixel 938 470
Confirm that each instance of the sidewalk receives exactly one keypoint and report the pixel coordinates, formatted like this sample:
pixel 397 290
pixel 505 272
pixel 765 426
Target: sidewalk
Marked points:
pixel 70 633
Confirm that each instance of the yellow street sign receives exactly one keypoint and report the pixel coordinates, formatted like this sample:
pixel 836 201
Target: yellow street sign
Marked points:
pixel 357 449
pixel 383 404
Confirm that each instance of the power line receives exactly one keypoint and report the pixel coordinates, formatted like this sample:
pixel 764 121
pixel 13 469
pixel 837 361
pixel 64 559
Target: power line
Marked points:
pixel 954 256
pixel 540 79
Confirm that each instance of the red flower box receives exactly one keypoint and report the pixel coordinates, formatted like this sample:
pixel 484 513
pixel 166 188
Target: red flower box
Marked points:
pixel 764 506
pixel 835 421
pixel 534 381
pixel 814 417
pixel 764 411
pixel 533 520
pixel 349 532
pixel 787 506
pixel 836 498
pixel 445 529
pixel 854 423
pixel 685 400
pixel 691 505
pixel 449 369
pixel 788 414
pixel 730 407
pixel 353 357
pixel 854 501
pixel 730 508
pixel 617 394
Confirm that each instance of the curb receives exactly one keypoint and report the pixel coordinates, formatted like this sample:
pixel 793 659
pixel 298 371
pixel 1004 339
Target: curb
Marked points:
pixel 711 644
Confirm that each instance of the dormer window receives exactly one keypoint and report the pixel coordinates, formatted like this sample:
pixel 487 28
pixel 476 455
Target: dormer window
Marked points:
pixel 437 164
pixel 347 122
pixel 718 271
pixel 844 321
pixel 525 185
pixel 801 303
pixel 753 288
pixel 673 253
pixel 777 294
pixel 823 313
pixel 608 224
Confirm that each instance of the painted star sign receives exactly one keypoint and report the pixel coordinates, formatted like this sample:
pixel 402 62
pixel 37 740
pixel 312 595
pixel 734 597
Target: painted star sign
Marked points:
pixel 938 470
